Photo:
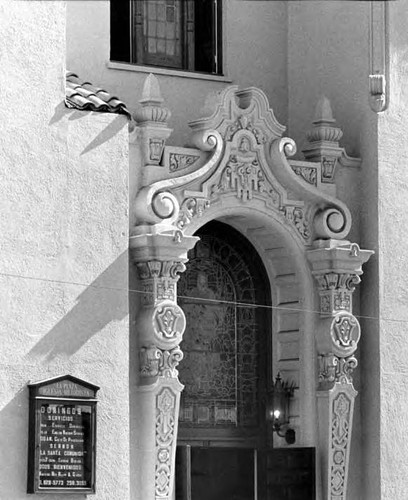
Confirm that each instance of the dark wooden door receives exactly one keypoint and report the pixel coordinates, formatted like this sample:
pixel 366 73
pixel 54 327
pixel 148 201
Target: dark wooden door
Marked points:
pixel 208 473
pixel 286 474
pixel 218 473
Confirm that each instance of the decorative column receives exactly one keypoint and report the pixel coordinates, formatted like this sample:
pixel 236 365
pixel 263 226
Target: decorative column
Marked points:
pixel 159 258
pixel 336 266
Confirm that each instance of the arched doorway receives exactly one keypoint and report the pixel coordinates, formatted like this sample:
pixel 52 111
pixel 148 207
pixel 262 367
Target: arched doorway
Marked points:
pixel 225 295
pixel 241 173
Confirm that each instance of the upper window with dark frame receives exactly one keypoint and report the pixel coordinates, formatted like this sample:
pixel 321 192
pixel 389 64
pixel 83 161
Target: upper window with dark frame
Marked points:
pixel 180 34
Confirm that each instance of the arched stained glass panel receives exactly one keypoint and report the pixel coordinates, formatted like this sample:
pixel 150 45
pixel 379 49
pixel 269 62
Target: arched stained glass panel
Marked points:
pixel 224 347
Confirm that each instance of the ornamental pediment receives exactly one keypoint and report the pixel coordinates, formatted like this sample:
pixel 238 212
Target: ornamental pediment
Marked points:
pixel 240 158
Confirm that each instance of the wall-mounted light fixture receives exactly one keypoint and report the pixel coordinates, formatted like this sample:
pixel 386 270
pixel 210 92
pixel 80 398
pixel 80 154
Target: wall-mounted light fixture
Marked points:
pixel 277 409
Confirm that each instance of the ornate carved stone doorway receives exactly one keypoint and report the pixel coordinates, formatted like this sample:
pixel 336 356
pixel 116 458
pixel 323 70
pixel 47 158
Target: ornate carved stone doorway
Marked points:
pixel 240 172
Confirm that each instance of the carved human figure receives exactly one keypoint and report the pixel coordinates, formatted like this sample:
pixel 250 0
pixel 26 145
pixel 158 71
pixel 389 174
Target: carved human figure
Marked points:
pixel 245 145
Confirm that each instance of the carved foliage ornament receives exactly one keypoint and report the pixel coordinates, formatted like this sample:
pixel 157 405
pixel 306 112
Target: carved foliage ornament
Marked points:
pixel 243 123
pixel 309 174
pixel 340 441
pixel 156 362
pixel 336 291
pixel 333 281
pixel 191 207
pixel 334 369
pixel 180 161
pixel 244 176
pixel 165 435
pixel 158 280
pixel 160 269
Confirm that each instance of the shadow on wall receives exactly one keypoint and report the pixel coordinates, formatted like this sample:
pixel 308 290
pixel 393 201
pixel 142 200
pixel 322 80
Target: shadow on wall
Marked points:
pixel 13 446
pixel 105 135
pixel 103 301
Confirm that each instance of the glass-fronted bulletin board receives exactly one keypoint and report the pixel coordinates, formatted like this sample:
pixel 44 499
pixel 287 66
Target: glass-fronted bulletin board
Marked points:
pixel 62 436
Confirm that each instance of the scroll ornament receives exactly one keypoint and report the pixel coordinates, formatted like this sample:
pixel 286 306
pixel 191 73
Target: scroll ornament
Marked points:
pixel 155 362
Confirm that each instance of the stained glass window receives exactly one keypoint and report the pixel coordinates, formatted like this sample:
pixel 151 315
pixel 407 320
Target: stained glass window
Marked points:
pixel 223 369
pixel 182 34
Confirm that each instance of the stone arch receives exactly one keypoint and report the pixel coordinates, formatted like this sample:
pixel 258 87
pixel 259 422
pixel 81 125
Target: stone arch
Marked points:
pixel 240 171
pixel 293 317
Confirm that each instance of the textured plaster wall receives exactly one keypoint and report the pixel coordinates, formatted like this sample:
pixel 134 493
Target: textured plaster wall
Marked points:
pixel 393 258
pixel 63 251
pixel 328 49
pixel 328 55
pixel 254 52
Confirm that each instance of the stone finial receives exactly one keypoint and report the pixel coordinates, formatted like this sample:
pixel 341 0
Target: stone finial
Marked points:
pixel 324 125
pixel 323 138
pixel 152 119
pixel 151 90
pixel 152 109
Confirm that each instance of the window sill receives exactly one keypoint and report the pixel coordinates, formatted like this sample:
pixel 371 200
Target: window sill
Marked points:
pixel 166 71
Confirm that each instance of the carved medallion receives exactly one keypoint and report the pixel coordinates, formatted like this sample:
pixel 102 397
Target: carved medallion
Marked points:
pixel 345 331
pixel 169 322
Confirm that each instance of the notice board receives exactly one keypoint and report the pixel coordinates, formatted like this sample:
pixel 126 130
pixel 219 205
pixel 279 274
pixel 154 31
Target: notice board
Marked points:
pixel 62 436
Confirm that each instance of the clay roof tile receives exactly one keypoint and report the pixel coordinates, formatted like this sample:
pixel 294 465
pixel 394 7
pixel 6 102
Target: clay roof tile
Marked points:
pixel 85 96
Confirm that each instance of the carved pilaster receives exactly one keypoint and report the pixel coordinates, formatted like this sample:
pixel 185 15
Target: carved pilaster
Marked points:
pixel 337 267
pixel 159 254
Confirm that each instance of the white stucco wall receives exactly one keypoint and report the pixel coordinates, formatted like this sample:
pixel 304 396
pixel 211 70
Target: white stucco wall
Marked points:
pixel 331 55
pixel 254 53
pixel 393 259
pixel 328 55
pixel 63 251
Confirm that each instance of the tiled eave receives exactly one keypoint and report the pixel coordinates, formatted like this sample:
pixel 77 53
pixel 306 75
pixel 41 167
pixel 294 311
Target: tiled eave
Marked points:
pixel 86 97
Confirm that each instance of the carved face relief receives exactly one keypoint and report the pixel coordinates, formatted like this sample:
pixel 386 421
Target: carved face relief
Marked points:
pixel 156 147
pixel 328 169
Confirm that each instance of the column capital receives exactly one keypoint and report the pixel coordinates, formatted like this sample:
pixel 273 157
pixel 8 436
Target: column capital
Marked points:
pixel 161 243
pixel 336 266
